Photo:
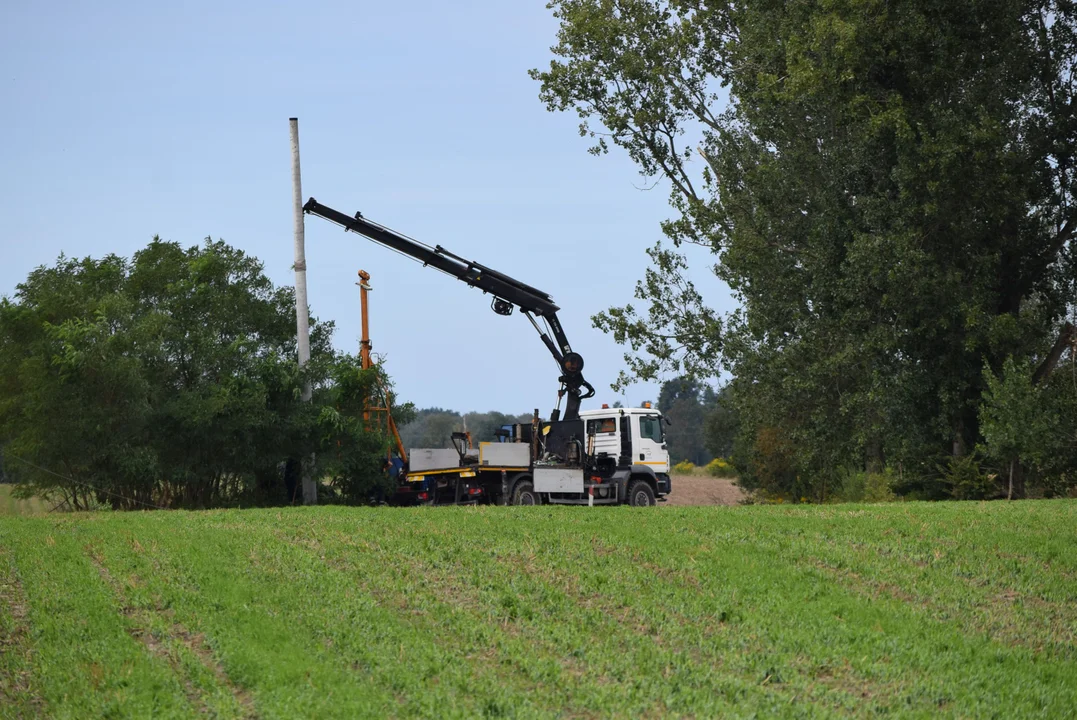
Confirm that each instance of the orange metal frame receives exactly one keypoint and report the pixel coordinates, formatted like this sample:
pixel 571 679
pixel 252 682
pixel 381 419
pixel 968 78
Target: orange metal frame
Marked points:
pixel 365 363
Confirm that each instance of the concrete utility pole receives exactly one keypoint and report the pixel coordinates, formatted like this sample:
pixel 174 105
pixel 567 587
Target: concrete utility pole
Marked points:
pixel 302 309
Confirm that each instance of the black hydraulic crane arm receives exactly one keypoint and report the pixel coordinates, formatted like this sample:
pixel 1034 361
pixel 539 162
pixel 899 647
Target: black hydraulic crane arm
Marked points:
pixel 507 293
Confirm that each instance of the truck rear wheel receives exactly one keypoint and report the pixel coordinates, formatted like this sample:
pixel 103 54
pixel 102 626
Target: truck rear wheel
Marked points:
pixel 640 494
pixel 525 494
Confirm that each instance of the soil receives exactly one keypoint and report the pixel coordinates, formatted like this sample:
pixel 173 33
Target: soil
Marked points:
pixel 703 490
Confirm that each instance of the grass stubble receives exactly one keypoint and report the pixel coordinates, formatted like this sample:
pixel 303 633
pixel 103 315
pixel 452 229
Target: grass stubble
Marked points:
pixel 909 610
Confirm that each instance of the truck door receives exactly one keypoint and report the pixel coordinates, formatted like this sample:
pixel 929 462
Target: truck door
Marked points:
pixel 651 448
pixel 604 431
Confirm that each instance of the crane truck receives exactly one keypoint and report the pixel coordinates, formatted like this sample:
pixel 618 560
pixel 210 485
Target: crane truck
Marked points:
pixel 605 456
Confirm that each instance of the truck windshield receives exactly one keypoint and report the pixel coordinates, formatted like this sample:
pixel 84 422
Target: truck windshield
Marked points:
pixel 650 427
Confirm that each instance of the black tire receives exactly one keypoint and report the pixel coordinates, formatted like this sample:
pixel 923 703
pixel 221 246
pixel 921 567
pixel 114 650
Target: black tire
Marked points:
pixel 524 494
pixel 640 494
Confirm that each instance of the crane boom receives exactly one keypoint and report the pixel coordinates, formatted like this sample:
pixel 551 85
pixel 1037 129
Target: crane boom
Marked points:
pixel 507 291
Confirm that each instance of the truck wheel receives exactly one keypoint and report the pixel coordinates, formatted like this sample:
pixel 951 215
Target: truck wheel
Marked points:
pixel 640 494
pixel 525 494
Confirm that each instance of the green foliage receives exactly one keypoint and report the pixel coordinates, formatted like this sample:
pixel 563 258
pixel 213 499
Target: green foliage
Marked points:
pixel 721 425
pixel 888 193
pixel 685 403
pixel 1055 473
pixel 718 467
pixel 866 487
pixel 1011 418
pixel 684 467
pixel 352 454
pixel 1030 430
pixel 166 380
pixel 966 480
pixel 786 612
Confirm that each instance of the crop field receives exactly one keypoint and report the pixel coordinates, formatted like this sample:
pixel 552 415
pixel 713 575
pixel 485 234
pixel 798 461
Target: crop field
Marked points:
pixel 906 610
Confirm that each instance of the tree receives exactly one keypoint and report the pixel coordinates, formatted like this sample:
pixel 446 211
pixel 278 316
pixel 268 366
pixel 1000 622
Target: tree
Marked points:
pixel 1030 428
pixel 353 451
pixel 169 379
pixel 1010 417
pixel 886 187
pixel 684 401
pixel 722 425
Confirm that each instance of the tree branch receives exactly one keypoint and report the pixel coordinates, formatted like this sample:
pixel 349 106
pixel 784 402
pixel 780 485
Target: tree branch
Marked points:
pixel 1062 238
pixel 1067 338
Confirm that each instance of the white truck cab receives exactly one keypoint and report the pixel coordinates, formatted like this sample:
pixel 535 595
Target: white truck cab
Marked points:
pixel 635 432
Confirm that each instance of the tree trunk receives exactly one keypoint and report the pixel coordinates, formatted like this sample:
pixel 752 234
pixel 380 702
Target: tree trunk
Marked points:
pixel 1009 492
pixel 959 439
pixel 875 462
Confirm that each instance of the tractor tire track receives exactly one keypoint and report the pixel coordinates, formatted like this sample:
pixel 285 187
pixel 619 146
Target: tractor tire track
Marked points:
pixel 16 654
pixel 142 619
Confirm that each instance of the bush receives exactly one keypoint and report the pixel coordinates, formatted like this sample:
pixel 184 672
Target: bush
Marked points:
pixel 684 467
pixel 867 487
pixel 720 468
pixel 966 481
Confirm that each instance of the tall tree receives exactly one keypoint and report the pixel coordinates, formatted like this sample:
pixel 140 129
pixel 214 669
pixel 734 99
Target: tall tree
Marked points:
pixel 685 403
pixel 885 185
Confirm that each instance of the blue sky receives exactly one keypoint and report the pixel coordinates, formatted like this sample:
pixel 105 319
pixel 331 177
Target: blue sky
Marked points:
pixel 125 120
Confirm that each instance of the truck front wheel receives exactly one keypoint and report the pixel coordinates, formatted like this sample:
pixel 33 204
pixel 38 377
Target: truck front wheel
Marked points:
pixel 525 494
pixel 640 494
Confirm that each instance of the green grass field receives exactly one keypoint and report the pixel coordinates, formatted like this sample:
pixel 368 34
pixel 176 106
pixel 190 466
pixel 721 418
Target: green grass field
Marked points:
pixel 906 610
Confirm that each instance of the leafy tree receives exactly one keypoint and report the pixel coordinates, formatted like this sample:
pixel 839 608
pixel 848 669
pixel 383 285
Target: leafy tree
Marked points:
pixel 1010 417
pixel 73 401
pixel 684 401
pixel 352 451
pixel 1030 428
pixel 722 425
pixel 886 187
pixel 169 380
pixel 1057 475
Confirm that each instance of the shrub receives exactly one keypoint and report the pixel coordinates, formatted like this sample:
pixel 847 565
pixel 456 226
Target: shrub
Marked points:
pixel 684 467
pixel 719 467
pixel 966 481
pixel 867 487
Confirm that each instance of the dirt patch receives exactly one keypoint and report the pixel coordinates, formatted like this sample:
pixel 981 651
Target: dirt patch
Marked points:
pixel 703 490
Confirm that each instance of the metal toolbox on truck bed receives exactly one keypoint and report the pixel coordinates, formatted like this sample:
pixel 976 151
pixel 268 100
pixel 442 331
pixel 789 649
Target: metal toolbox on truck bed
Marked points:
pixel 559 480
pixel 424 459
pixel 493 454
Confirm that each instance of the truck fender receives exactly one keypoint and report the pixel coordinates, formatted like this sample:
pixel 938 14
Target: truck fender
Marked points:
pixel 624 476
pixel 510 484
pixel 644 470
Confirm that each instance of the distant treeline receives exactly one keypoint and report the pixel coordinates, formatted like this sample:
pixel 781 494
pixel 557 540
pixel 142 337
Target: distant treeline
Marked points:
pixel 433 427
